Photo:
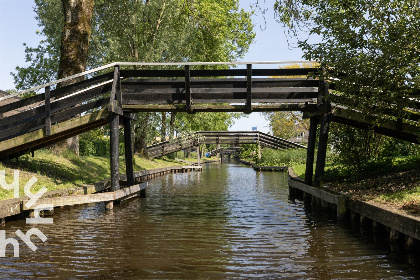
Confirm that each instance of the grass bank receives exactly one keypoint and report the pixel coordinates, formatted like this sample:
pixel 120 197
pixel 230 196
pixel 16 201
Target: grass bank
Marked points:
pixel 393 182
pixel 67 170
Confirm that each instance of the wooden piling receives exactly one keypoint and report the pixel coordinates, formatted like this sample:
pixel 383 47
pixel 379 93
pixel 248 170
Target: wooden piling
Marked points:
pixel 128 147
pixel 310 152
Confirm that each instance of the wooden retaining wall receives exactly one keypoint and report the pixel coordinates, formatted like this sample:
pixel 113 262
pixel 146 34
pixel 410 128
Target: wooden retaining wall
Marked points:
pixel 99 192
pixel 401 229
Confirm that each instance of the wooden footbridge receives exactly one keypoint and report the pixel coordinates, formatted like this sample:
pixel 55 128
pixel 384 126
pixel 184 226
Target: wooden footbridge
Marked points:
pixel 111 94
pixel 231 138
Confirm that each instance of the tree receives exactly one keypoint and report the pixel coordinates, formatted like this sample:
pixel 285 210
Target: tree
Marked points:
pixel 152 31
pixel 287 124
pixel 372 47
pixel 74 49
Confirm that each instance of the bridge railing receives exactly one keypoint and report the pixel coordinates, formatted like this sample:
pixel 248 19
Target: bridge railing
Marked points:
pixel 54 106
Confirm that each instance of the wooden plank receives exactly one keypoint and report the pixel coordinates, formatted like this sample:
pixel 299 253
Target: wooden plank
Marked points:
pixel 22 117
pixel 10 207
pixel 55 129
pixel 386 127
pixel 188 100
pixel 22 103
pixel 47 111
pixel 22 128
pixel 219 83
pixel 321 193
pixel 88 198
pixel 248 105
pixel 90 94
pixel 408 225
pixel 221 108
pixel 92 81
pixel 75 111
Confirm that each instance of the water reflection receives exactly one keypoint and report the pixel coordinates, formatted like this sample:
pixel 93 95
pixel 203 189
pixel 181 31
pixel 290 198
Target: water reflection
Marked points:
pixel 229 222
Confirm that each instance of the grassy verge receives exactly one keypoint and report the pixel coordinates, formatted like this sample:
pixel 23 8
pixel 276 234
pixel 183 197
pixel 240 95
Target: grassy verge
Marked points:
pixel 394 182
pixel 67 170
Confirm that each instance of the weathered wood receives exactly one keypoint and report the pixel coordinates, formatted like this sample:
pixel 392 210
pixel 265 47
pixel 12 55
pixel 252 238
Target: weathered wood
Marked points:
pixel 77 110
pixel 310 152
pixel 353 118
pixel 218 95
pixel 47 111
pixel 70 101
pixel 188 100
pixel 89 198
pixel 141 84
pixel 322 150
pixel 22 117
pixel 248 108
pixel 405 224
pixel 217 73
pixel 18 130
pixel 128 147
pixel 114 134
pixel 221 108
pixel 22 103
pixel 82 85
pixel 37 138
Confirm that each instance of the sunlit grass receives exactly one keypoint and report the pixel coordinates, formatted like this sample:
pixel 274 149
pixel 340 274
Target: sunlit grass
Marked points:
pixel 67 170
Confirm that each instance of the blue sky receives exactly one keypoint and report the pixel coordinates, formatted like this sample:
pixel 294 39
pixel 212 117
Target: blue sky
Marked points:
pixel 18 26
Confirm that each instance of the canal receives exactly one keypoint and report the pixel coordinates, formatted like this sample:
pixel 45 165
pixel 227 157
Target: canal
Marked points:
pixel 228 222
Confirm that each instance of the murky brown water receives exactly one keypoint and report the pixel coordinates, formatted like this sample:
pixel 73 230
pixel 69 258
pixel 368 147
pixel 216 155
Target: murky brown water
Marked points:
pixel 227 222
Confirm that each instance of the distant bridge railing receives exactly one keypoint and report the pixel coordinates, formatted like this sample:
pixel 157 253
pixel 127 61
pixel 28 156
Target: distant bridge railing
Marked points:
pixel 232 138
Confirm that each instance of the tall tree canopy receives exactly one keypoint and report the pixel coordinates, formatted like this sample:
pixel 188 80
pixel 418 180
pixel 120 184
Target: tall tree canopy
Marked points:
pixel 150 31
pixel 372 46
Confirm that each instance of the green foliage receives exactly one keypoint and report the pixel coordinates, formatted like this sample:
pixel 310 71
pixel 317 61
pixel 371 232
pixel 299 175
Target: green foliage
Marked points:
pixel 287 124
pixel 290 157
pixel 374 44
pixel 204 121
pixel 95 143
pixel 361 150
pixel 249 151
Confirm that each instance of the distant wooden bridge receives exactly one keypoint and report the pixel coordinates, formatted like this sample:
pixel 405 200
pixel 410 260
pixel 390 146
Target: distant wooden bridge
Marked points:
pixel 111 94
pixel 231 138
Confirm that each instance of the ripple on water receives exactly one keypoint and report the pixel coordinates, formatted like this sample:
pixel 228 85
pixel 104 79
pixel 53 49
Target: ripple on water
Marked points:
pixel 228 222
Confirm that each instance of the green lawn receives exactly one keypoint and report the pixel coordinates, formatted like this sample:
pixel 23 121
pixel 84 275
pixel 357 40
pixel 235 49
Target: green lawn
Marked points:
pixel 67 170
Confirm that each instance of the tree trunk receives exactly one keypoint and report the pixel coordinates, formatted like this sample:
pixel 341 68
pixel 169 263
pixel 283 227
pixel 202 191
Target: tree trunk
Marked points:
pixel 172 126
pixel 74 50
pixel 163 127
pixel 140 144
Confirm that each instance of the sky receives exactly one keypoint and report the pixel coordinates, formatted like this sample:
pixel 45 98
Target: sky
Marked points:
pixel 18 26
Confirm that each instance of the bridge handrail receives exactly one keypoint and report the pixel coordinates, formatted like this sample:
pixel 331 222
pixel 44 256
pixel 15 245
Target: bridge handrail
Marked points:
pixel 144 64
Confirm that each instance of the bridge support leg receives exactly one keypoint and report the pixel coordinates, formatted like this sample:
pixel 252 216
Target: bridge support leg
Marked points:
pixel 310 152
pixel 322 150
pixel 128 146
pixel 114 152
pixel 198 155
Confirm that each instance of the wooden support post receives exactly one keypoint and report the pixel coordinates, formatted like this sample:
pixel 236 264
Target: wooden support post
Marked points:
pixel 322 150
pixel 114 152
pixel 114 133
pixel 310 152
pixel 248 107
pixel 47 111
pixel 128 146
pixel 188 100
pixel 323 138
pixel 198 155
